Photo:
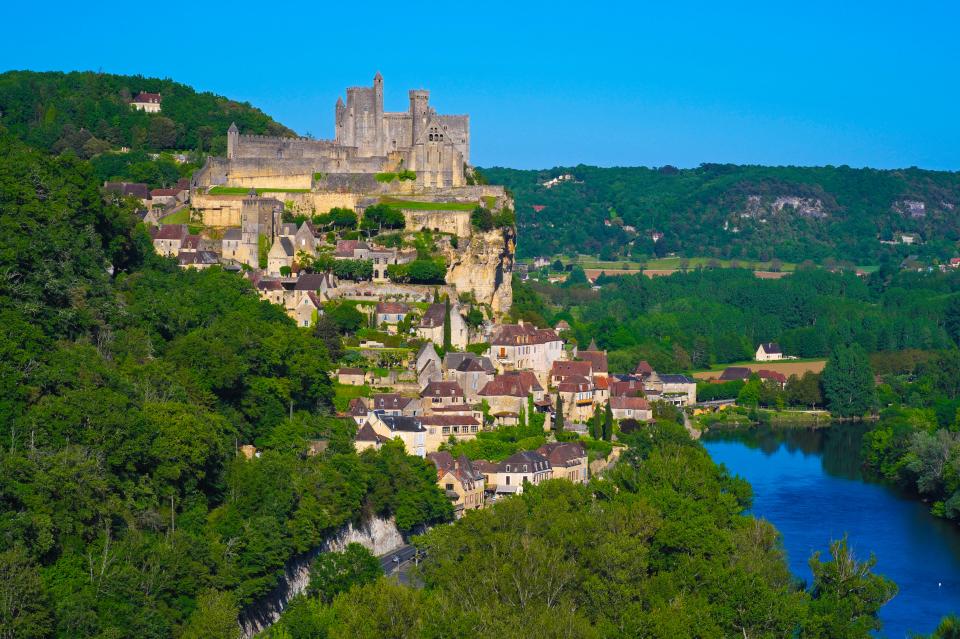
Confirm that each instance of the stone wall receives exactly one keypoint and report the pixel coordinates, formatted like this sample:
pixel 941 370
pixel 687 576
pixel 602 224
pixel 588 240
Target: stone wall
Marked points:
pixel 456 222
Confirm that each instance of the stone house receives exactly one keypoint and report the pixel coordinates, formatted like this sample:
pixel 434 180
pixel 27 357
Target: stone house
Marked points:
pixel 168 239
pixel 391 312
pixel 431 325
pixel 351 376
pixel 305 239
pixel 679 390
pixel 427 365
pixel 149 102
pixel 306 311
pixel 460 480
pixel 636 408
pixel 561 370
pixel 320 284
pixel 597 359
pixel 280 255
pixel 471 371
pixel 577 395
pixel 270 290
pixel 568 460
pixel 230 245
pixel 626 386
pixel 197 259
pixel 525 347
pixel 441 427
pixel 507 394
pixel 769 352
pixel 395 404
pixel 138 190
pixel 509 476
pixel 408 429
pixel 367 437
pixel 440 395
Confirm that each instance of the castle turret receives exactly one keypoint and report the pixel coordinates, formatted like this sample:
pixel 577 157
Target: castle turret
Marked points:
pixel 339 118
pixel 419 107
pixel 379 141
pixel 233 140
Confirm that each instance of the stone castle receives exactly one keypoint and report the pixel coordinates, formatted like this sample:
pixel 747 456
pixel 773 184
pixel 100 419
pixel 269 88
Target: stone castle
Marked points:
pixel 415 161
pixel 370 140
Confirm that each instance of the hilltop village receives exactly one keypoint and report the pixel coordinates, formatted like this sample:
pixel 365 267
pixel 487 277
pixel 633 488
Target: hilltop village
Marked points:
pixel 385 235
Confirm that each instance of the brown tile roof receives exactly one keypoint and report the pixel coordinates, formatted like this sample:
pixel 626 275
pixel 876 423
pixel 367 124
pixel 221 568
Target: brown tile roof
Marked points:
pixel 600 382
pixel 350 371
pixel 597 358
pixel 136 189
pixel 191 242
pixel 563 453
pixel 511 384
pixel 144 97
pixel 165 192
pixel 522 334
pixel 772 375
pixel 566 368
pixel 392 308
pixel 442 389
pixel 389 401
pixel 366 434
pixel 434 316
pixel 626 388
pixel 314 282
pixel 631 403
pixel 644 368
pixel 172 232
pixel 265 284
pixel 732 373
pixel 357 407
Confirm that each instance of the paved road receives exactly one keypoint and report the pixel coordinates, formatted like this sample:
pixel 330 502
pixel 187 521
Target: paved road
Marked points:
pixel 398 562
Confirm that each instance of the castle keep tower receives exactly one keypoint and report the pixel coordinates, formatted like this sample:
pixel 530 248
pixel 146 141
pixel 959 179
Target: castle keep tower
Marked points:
pixel 367 140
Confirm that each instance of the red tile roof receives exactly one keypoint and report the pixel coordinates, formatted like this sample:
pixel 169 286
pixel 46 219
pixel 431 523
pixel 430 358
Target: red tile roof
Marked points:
pixel 144 97
pixel 522 334
pixel 512 384
pixel 565 368
pixel 633 403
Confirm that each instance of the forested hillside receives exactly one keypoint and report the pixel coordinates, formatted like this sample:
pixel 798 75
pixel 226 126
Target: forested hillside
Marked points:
pixel 727 211
pixel 90 113
pixel 710 316
pixel 125 509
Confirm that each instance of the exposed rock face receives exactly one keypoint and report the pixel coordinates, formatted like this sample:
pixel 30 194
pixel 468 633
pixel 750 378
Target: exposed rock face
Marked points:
pixel 485 266
pixel 379 536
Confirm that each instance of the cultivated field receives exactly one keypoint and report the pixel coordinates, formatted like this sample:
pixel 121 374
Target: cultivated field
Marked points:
pixel 788 368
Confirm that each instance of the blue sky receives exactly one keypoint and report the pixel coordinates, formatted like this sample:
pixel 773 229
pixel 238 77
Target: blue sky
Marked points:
pixel 806 83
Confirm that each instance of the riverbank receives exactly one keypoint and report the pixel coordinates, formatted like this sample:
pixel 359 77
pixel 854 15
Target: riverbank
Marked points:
pixel 740 417
pixel 809 484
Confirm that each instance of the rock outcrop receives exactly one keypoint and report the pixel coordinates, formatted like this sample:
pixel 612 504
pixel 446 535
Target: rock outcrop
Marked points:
pixel 483 265
pixel 378 535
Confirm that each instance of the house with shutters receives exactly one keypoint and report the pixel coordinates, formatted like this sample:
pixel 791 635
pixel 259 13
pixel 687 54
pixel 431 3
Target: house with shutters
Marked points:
pixel 460 480
pixel 568 460
pixel 769 352
pixel 523 346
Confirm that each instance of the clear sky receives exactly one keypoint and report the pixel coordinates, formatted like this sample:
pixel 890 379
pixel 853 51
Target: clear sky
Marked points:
pixel 559 83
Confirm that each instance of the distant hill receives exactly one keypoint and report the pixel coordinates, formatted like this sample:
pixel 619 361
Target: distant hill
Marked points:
pixel 729 211
pixel 91 113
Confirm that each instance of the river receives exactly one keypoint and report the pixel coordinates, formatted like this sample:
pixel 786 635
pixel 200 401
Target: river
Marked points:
pixel 808 484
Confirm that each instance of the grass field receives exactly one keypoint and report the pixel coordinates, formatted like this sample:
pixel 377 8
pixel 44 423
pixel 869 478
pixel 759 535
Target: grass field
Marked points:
pixel 428 206
pixel 667 265
pixel 180 217
pixel 787 367
pixel 242 190
pixel 342 394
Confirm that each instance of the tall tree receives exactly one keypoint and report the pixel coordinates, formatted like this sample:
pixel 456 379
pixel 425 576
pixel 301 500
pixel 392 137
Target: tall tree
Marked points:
pixel 846 595
pixel 848 383
pixel 595 423
pixel 214 618
pixel 558 417
pixel 608 423
pixel 951 319
pixel 447 341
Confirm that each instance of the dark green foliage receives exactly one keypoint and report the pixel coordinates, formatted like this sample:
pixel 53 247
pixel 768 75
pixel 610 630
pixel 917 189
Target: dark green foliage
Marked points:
pixel 558 415
pixel 697 209
pixel 98 104
pixel 125 509
pixel 382 216
pixel 344 316
pixel 848 383
pixel 482 219
pixel 607 423
pixel 846 596
pixel 703 317
pixel 419 271
pixel 447 342
pixel 336 572
pixel 355 270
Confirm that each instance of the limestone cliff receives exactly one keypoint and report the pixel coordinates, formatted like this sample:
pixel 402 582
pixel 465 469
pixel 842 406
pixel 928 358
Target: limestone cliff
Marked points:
pixel 483 264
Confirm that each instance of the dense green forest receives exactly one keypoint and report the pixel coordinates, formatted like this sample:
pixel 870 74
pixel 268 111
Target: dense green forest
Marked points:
pixel 124 398
pixel 842 212
pixel 709 316
pixel 90 113
pixel 659 548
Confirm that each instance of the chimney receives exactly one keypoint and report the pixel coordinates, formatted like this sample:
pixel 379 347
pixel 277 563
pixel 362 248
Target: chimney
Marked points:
pixel 520 323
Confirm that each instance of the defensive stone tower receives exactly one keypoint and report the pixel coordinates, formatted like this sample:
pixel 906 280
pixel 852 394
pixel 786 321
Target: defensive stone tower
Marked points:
pixel 419 108
pixel 379 145
pixel 233 140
